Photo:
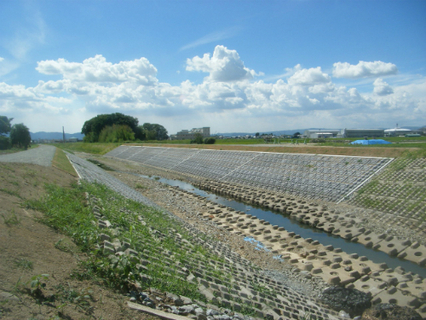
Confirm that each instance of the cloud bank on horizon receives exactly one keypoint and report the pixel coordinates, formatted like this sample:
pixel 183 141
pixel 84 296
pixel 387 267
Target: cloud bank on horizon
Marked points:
pixel 229 89
pixel 218 88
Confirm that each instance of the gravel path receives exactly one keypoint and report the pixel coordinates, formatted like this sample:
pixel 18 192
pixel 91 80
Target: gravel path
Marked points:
pixel 42 155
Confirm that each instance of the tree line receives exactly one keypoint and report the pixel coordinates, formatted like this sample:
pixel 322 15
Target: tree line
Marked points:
pixel 17 135
pixel 117 127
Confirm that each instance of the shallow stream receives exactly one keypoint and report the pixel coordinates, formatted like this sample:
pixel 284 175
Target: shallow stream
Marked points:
pixel 303 230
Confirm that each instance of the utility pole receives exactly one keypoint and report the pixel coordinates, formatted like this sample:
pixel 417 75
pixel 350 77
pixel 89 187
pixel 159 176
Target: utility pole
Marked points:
pixel 63 134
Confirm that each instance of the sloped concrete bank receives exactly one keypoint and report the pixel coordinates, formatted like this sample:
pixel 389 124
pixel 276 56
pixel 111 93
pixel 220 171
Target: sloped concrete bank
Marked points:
pixel 245 286
pixel 350 270
pixel 311 176
pixel 347 226
pixel 330 264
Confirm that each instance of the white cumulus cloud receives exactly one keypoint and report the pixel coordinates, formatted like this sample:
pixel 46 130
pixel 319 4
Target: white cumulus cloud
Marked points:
pixel 363 69
pixel 382 88
pixel 97 69
pixel 228 97
pixel 309 77
pixel 224 66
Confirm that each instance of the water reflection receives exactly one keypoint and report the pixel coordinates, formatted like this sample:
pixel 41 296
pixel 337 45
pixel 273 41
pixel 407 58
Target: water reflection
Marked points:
pixel 292 225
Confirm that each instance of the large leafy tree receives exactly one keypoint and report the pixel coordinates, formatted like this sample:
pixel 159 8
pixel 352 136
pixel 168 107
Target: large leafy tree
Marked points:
pixel 116 133
pixel 5 125
pixel 154 131
pixel 20 136
pixel 93 127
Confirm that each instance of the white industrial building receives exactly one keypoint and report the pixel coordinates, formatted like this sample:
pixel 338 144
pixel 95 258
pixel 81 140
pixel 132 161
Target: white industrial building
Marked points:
pixel 396 132
pixel 320 133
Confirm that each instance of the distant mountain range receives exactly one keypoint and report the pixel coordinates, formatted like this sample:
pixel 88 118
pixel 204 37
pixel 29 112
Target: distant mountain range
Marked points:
pixel 55 135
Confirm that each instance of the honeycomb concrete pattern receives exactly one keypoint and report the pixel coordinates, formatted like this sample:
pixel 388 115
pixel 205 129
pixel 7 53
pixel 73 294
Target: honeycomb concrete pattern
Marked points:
pixel 273 301
pixel 331 264
pixel 311 176
pixel 397 195
pixel 310 257
pixel 346 226
pixel 207 164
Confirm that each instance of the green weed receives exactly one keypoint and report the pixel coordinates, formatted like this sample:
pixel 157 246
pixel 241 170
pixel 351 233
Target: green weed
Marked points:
pixel 10 192
pixel 139 186
pixel 64 245
pixel 38 282
pixel 24 264
pixel 12 219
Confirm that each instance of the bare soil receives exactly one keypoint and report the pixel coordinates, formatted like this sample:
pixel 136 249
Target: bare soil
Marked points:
pixel 29 248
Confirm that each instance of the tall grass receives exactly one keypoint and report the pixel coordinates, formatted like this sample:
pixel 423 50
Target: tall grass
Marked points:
pixel 66 211
pixel 61 162
pixel 93 148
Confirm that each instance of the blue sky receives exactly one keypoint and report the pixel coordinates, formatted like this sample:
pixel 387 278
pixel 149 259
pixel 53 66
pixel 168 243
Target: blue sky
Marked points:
pixel 231 65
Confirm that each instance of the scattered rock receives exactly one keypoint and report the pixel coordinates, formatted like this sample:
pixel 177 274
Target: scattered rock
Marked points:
pixel 390 312
pixel 351 301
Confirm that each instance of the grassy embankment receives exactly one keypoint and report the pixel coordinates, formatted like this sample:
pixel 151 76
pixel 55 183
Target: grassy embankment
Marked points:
pixel 144 229
pixel 61 162
pixel 405 150
pixel 65 211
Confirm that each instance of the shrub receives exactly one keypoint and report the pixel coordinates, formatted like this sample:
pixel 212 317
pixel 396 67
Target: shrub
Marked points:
pixel 198 139
pixel 116 133
pixel 4 143
pixel 209 140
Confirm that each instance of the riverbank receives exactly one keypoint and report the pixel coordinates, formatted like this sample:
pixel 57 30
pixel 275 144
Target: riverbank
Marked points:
pixel 188 207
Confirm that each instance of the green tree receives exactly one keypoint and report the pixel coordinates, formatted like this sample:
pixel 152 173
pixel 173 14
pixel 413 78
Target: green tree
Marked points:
pixel 140 133
pixel 116 133
pixel 209 141
pixel 93 127
pixel 5 125
pixel 20 136
pixel 154 131
pixel 198 138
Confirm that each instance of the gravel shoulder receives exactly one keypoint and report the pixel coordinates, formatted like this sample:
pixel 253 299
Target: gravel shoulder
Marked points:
pixel 41 155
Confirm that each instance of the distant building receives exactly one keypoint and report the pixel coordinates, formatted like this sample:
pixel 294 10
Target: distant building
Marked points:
pixel 190 134
pixel 319 133
pixel 396 132
pixel 362 133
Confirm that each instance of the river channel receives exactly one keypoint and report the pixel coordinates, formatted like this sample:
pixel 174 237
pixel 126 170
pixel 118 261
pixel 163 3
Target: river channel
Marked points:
pixel 303 230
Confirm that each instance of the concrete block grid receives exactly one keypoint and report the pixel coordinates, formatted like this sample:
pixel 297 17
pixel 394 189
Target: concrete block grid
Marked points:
pixel 331 264
pixel 333 223
pixel 400 192
pixel 310 176
pixel 246 285
pixel 346 226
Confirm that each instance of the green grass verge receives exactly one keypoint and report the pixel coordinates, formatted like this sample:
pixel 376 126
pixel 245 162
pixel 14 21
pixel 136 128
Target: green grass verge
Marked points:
pixel 93 148
pixel 14 150
pixel 66 211
pixel 61 162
